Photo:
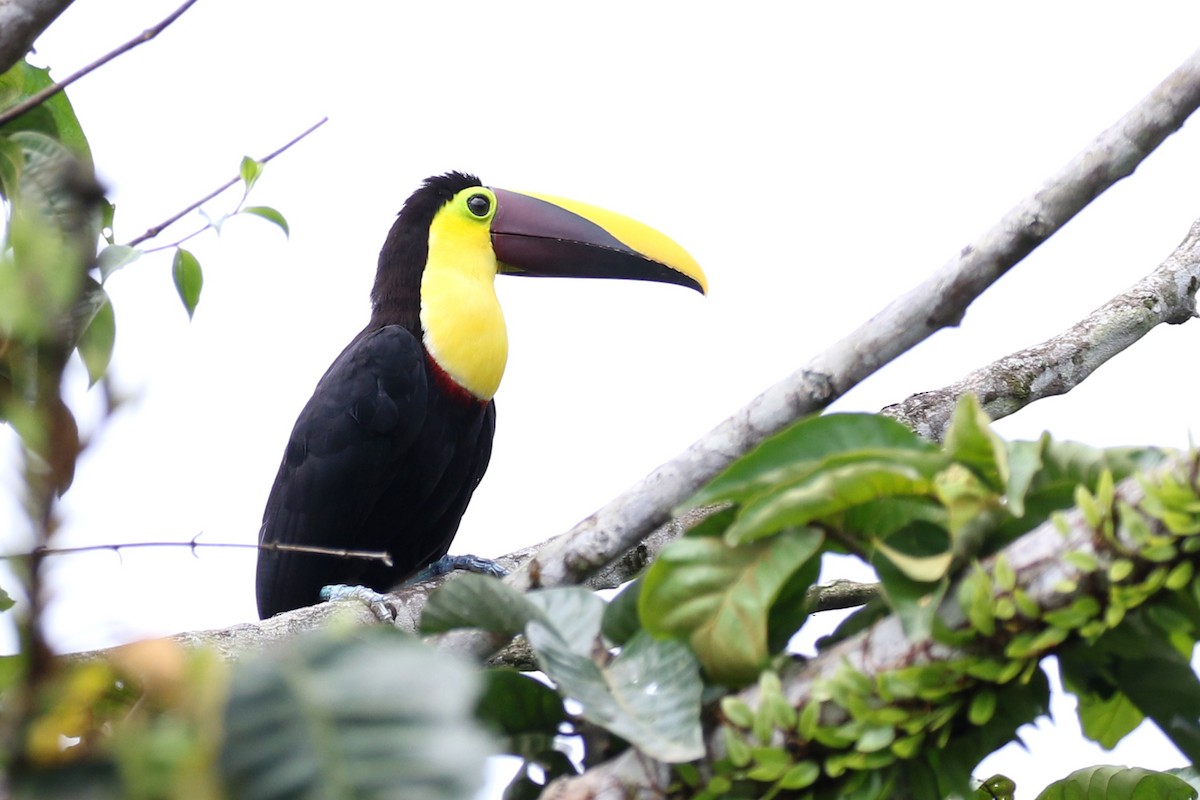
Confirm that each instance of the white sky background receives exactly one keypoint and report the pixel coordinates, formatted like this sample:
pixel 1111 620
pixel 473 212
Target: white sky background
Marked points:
pixel 817 162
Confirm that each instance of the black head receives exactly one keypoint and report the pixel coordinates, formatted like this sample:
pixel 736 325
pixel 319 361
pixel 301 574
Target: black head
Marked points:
pixel 396 297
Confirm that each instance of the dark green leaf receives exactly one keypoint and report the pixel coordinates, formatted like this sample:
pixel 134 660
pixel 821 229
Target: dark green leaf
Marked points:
pixel 269 214
pixel 649 694
pixel 114 257
pixel 719 596
pixel 791 606
pixel 808 442
pixel 369 715
pixel 915 602
pixel 1118 783
pixel 551 765
pixel 621 619
pixel 108 213
pixel 997 787
pixel 478 601
pixel 90 780
pixel 96 344
pixel 920 550
pixel 1138 660
pixel 189 279
pixel 6 601
pixel 523 711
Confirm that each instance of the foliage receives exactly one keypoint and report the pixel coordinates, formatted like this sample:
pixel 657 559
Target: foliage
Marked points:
pixel 932 521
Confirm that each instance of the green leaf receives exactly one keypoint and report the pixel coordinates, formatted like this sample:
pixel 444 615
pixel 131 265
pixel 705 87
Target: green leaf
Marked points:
pixel 270 215
pixel 649 694
pixel 1138 660
pixel 574 613
pixel 115 257
pixel 719 596
pixel 920 550
pixel 371 714
pixel 6 601
pixel 250 171
pixel 915 602
pixel 1024 462
pixel 478 601
pixel 621 619
pixel 12 161
pixel 997 787
pixel 809 442
pixel 189 279
pixel 971 442
pixel 54 117
pixel 524 712
pixel 823 493
pixel 1118 783
pixel 1107 720
pixel 96 344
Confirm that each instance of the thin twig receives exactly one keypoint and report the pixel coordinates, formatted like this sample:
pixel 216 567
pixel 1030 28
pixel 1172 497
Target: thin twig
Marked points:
pixel 367 555
pixel 36 100
pixel 169 221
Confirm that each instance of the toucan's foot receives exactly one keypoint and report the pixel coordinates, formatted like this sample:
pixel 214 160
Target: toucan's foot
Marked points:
pixel 447 564
pixel 372 599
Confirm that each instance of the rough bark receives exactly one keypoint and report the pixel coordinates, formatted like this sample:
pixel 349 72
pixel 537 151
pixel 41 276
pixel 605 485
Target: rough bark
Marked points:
pixel 21 22
pixel 1058 365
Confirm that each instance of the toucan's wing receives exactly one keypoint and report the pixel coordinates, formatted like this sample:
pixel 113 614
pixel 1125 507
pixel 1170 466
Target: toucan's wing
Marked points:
pixel 344 453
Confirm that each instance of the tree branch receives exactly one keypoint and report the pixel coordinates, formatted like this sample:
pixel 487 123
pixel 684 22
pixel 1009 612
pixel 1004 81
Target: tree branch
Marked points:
pixel 12 112
pixel 1058 365
pixel 21 22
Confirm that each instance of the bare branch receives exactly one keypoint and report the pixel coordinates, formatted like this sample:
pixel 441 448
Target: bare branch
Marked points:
pixel 1058 365
pixel 12 112
pixel 194 543
pixel 21 22
pixel 155 230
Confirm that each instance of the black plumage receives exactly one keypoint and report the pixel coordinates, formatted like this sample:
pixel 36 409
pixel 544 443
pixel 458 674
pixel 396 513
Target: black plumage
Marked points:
pixel 387 453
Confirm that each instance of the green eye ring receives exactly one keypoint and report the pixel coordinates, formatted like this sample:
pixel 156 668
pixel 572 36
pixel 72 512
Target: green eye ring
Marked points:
pixel 479 204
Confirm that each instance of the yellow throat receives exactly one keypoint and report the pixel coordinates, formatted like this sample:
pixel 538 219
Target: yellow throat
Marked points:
pixel 460 315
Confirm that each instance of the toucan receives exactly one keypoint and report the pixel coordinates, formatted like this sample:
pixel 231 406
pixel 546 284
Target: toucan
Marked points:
pixel 398 433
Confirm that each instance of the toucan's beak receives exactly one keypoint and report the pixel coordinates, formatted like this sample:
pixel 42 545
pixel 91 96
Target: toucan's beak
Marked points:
pixel 545 236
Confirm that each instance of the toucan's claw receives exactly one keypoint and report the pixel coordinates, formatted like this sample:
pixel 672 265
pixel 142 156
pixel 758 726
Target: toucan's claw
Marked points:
pixel 369 597
pixel 447 564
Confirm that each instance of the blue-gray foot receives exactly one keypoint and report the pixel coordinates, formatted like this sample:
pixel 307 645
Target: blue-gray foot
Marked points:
pixel 372 599
pixel 447 564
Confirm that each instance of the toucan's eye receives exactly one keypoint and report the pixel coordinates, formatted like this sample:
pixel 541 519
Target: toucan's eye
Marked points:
pixel 479 205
